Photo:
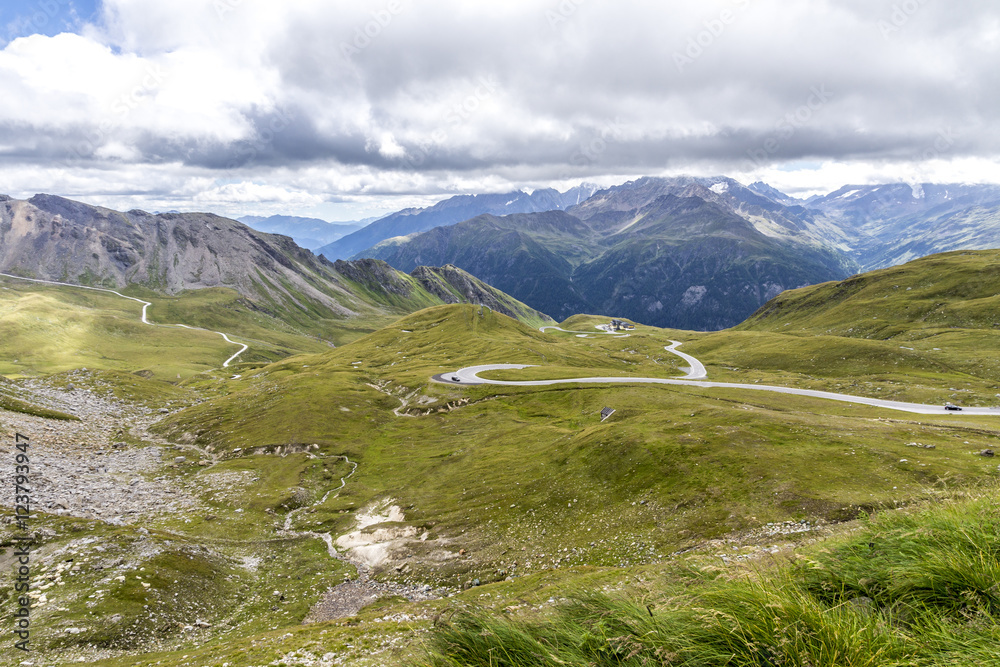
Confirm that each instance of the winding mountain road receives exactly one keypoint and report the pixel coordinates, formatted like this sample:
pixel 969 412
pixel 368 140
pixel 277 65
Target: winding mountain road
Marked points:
pixel 145 305
pixel 693 377
pixel 696 370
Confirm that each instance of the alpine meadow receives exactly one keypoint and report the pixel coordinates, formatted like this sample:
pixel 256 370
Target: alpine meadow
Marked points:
pixel 522 334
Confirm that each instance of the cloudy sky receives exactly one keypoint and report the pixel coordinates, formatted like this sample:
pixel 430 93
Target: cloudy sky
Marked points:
pixel 346 109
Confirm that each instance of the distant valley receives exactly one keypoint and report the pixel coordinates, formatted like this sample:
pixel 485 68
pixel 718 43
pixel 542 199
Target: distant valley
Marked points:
pixel 309 233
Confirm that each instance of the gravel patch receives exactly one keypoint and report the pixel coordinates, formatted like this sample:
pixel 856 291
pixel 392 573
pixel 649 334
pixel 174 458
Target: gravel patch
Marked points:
pixel 86 469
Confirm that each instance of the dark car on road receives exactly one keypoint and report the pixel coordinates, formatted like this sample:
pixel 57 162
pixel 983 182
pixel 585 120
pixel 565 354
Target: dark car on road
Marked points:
pixel 951 406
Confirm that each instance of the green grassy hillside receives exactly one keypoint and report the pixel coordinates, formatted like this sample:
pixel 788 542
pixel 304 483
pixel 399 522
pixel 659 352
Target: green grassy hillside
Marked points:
pixel 515 499
pixel 48 329
pixel 51 328
pixel 926 331
pixel 945 291
pixel 498 468
pixel 915 588
pixel 453 285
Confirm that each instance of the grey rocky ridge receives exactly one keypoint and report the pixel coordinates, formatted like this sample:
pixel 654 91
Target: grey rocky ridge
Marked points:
pixel 57 239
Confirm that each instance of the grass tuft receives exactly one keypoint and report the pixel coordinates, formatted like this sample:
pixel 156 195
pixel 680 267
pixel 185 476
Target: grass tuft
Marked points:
pixel 910 588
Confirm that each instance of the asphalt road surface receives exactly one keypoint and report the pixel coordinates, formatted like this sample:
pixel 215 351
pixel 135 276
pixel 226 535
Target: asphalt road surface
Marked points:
pixel 470 376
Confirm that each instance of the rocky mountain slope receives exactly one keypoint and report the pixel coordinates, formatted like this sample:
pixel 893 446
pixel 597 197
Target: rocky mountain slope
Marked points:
pixel 689 263
pixel 451 211
pixel 685 253
pixel 774 194
pixel 774 215
pixel 446 285
pixel 453 285
pixel 894 223
pixel 58 239
pixel 519 252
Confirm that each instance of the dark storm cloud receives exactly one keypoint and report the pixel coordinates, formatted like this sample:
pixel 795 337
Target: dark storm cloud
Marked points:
pixel 896 74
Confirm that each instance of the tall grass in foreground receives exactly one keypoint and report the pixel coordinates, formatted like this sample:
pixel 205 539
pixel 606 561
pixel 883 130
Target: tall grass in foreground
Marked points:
pixel 916 588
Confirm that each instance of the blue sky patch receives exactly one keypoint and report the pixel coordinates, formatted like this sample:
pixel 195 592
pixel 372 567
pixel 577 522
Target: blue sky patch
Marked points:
pixel 20 18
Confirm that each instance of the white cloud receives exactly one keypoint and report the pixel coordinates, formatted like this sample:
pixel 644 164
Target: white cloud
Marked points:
pixel 246 192
pixel 115 150
pixel 231 103
pixel 53 82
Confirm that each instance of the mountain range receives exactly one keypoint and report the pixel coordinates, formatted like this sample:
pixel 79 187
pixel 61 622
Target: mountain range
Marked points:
pixel 451 211
pixel 687 253
pixel 57 239
pixel 698 253
pixel 684 252
pixel 891 224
